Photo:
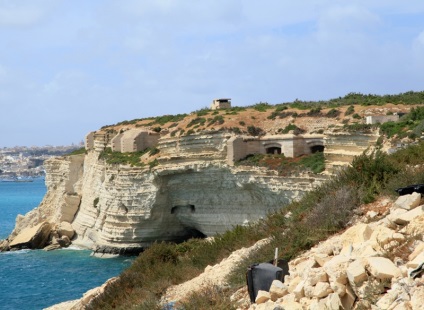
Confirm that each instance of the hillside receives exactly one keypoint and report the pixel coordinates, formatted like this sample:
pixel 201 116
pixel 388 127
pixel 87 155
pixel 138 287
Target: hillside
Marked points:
pixel 233 175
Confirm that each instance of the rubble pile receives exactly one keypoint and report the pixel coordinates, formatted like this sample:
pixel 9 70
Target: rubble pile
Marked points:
pixel 375 264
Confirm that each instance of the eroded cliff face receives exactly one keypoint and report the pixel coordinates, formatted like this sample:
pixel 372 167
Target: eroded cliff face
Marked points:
pixel 122 209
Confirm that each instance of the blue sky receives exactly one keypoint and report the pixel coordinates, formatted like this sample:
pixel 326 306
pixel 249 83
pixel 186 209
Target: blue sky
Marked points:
pixel 70 67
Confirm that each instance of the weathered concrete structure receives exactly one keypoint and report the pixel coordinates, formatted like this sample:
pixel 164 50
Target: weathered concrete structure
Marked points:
pixel 89 141
pixel 290 145
pixel 380 119
pixel 134 140
pixel 222 103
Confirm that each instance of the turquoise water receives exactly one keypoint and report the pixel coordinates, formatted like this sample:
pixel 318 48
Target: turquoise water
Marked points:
pixel 38 279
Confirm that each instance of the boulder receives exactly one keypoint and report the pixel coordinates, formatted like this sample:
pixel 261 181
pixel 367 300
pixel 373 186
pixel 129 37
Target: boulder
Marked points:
pixel 322 289
pixel 316 275
pixel 333 302
pixel 408 202
pixel 336 269
pixel 408 216
pixel 65 229
pixel 263 296
pixel 418 249
pixel 356 234
pixel 415 226
pixel 382 268
pixel 417 298
pixel 33 238
pixel 338 288
pixel 348 299
pixel 356 273
pixel 418 260
pixel 64 241
pixel 277 290
pixel 321 258
pixel 299 291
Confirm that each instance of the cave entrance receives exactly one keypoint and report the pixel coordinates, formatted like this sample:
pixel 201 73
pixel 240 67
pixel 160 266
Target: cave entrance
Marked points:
pixel 273 150
pixel 317 148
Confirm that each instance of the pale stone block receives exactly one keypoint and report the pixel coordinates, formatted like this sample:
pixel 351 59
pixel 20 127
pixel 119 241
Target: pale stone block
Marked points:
pixel 418 249
pixel 293 284
pixel 308 290
pixel 292 305
pixel 415 227
pixel 356 272
pixel 336 268
pixel 333 302
pixel 321 258
pixel 65 229
pixel 387 299
pixel 299 290
pixel 348 299
pixel 408 216
pixel 316 275
pixel 408 202
pixel 356 234
pixel 363 249
pixel 417 298
pixel 382 235
pixel 33 237
pixel 338 288
pixel 416 261
pixel 382 268
pixel 269 305
pixel 322 289
pixel 395 213
pixel 263 296
pixel 277 290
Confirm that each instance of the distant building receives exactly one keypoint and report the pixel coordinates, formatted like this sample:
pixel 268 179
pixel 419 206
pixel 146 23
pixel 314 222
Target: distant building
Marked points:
pixel 222 103
pixel 380 119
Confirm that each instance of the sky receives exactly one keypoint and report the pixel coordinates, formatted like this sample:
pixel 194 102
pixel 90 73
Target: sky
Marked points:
pixel 70 67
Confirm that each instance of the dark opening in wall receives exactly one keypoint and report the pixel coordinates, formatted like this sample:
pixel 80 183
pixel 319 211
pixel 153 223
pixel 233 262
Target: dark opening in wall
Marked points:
pixel 317 148
pixel 184 208
pixel 273 150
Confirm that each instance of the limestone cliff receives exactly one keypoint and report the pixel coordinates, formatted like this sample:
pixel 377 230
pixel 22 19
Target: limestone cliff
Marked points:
pixel 192 192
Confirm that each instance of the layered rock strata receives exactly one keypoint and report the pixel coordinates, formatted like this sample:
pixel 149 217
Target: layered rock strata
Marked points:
pixel 192 192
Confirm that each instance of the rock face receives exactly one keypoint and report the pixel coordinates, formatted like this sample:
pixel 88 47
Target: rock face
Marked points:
pixel 193 192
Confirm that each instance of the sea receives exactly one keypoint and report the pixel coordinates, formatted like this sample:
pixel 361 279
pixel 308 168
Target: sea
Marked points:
pixel 36 279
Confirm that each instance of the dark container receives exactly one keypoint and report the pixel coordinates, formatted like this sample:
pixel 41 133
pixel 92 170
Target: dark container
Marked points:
pixel 260 277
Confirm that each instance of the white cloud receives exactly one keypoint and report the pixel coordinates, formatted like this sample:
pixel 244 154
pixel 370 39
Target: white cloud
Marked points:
pixel 24 12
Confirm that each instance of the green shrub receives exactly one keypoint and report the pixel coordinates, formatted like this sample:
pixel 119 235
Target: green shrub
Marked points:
pixel 118 158
pixel 203 112
pixel 315 162
pixel 350 110
pixel 255 131
pixel 333 113
pixel 356 116
pixel 262 106
pixel 242 123
pixel 218 119
pixel 157 129
pixel 199 120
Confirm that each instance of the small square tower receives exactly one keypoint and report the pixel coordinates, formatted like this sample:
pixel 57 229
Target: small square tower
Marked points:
pixel 222 103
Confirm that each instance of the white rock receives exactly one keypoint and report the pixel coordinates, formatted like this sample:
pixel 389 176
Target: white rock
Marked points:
pixel 299 290
pixel 322 289
pixel 348 299
pixel 293 284
pixel 316 275
pixel 321 258
pixel 408 202
pixel 333 302
pixel 416 261
pixel 356 234
pixel 408 216
pixel 417 298
pixel 336 268
pixel 418 249
pixel 382 268
pixel 356 272
pixel 415 226
pixel 338 288
pixel 277 290
pixel 263 296
pixel 65 229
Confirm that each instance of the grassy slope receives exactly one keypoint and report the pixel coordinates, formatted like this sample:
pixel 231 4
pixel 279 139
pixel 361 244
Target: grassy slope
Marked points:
pixel 315 217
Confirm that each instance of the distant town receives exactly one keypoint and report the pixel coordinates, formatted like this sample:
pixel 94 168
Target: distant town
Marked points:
pixel 21 163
